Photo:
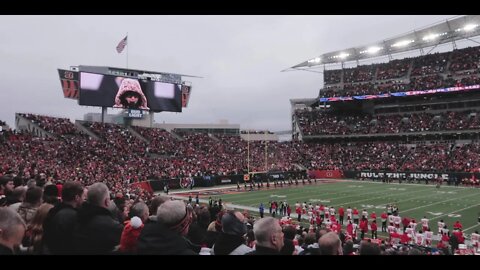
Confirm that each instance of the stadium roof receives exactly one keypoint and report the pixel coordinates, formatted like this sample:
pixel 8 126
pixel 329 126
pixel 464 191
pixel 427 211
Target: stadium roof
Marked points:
pixel 457 28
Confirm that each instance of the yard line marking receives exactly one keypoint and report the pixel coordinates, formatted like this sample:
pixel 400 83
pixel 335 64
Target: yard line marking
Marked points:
pixel 301 194
pixel 475 194
pixel 469 228
pixel 403 193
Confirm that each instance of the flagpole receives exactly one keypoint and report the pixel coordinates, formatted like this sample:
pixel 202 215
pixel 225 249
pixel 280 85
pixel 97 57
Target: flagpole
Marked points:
pixel 248 151
pixel 266 155
pixel 128 41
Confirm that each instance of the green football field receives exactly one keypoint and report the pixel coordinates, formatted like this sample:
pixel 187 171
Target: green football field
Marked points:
pixel 414 200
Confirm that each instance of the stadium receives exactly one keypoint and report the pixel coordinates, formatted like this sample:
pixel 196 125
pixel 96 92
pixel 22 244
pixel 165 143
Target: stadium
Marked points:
pixel 384 161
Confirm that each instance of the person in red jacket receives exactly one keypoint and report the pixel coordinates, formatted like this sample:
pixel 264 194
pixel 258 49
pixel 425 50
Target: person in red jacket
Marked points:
pixel 350 228
pixel 363 227
pixel 373 226
pixel 384 217
pixel 457 225
pixel 405 223
pixel 133 227
pixel 341 213
pixel 298 210
pixel 459 235
pixel 405 239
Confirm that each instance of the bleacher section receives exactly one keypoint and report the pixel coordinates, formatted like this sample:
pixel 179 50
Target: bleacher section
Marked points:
pixel 459 67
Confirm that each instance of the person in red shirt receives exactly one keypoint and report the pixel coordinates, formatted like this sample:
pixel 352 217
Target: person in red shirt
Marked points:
pixel 445 238
pixel 318 219
pixel 373 226
pixel 341 213
pixel 404 239
pixel 384 217
pixel 457 225
pixel 373 216
pixel 363 227
pixel 405 223
pixel 298 210
pixel 333 219
pixel 335 227
pixel 459 234
pixel 350 228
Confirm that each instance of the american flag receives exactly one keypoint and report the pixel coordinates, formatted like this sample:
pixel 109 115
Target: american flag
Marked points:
pixel 121 45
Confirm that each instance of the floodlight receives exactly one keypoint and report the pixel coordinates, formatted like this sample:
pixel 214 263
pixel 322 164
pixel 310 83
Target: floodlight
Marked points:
pixel 430 37
pixel 403 43
pixel 373 49
pixel 343 55
pixel 470 27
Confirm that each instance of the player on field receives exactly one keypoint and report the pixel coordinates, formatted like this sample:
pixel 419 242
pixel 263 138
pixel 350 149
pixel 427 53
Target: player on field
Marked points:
pixel 424 222
pixel 355 215
pixel 475 239
pixel 349 213
pixel 428 237
pixel 440 225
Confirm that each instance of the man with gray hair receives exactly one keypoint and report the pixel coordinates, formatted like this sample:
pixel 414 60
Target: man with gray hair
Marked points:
pixel 167 235
pixel 269 236
pixel 12 230
pixel 96 232
pixel 330 244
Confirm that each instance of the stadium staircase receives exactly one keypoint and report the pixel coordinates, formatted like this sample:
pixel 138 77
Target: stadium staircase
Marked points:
pixel 447 66
pixel 410 152
pixel 300 166
pixel 136 134
pixel 83 129
pixel 24 124
pixel 213 137
pixel 304 159
pixel 175 135
pixel 409 72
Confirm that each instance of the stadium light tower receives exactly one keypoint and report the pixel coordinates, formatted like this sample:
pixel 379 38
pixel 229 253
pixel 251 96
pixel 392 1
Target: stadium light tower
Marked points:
pixel 373 50
pixel 469 27
pixel 403 43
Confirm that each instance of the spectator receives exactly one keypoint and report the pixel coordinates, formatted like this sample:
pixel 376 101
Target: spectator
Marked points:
pixel 231 240
pixel 33 199
pixel 33 239
pixel 97 232
pixel 330 244
pixel 268 236
pixel 167 236
pixel 12 230
pixel 369 248
pixel 61 220
pixel 139 215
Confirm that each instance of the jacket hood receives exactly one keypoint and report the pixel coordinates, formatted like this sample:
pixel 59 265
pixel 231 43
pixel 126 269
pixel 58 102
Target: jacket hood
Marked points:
pixel 130 85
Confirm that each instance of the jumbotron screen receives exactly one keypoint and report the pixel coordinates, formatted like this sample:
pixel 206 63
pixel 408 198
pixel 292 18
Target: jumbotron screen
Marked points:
pixel 129 93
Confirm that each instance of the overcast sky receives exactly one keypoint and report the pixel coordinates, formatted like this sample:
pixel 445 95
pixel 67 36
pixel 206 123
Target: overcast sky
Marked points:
pixel 239 58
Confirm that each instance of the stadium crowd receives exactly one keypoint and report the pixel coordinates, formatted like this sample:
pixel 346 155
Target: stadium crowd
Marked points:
pixel 72 218
pixel 321 122
pixel 432 71
pixel 61 194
